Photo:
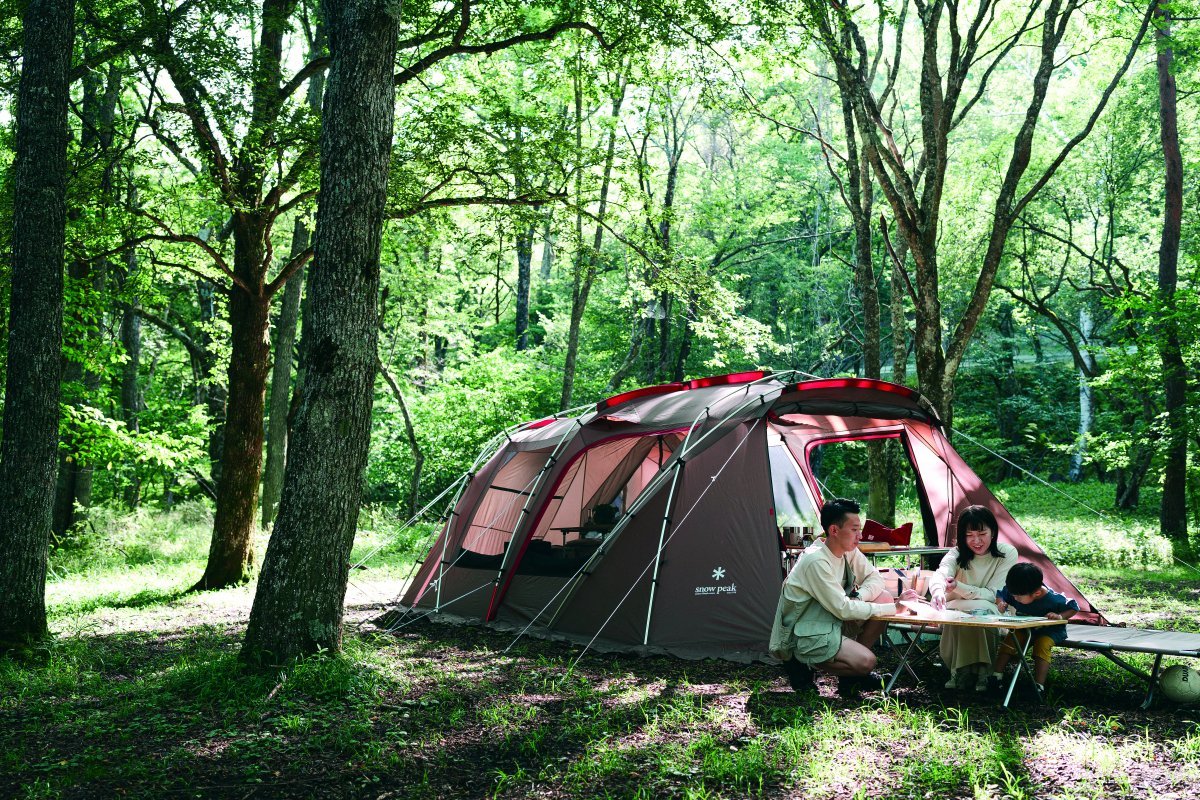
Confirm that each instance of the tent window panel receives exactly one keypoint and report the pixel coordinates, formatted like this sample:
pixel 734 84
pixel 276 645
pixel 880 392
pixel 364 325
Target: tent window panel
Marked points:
pixel 794 504
pixel 499 510
pixel 841 470
pixel 590 500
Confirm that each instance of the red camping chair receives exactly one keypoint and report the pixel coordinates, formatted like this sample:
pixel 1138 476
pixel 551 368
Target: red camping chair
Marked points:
pixel 897 537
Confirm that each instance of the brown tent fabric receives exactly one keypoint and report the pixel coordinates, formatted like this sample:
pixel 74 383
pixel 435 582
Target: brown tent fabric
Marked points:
pixel 692 566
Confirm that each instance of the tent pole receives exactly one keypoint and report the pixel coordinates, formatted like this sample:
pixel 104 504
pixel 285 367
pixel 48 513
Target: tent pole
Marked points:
pixel 662 535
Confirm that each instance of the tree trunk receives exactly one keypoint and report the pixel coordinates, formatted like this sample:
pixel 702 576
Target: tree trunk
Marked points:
pixel 210 390
pixel 298 606
pixel 895 459
pixel 685 341
pixel 231 553
pixel 281 382
pixel 586 263
pixel 640 327
pixel 97 113
pixel 881 505
pixel 1085 395
pixel 285 332
pixel 1006 384
pixel 1173 511
pixel 410 432
pixel 546 268
pixel 525 234
pixel 29 448
pixel 659 367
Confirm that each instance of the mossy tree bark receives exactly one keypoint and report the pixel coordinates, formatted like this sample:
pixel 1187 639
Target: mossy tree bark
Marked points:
pixel 298 606
pixel 28 453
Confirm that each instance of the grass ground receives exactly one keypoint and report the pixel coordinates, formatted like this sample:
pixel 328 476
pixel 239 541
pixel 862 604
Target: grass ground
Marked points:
pixel 140 695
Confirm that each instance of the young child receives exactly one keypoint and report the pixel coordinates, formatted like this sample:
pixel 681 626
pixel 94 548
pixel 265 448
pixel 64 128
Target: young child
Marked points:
pixel 1029 597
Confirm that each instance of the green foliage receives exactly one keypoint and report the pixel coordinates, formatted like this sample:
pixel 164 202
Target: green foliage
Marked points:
pixel 1029 415
pixel 478 398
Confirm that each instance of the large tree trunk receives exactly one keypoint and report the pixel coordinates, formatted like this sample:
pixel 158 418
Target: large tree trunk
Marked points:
pixel 231 553
pixel 28 451
pixel 1173 511
pixel 298 606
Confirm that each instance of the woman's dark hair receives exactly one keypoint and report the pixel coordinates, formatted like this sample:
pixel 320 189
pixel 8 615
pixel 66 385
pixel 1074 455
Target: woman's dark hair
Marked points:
pixel 974 518
pixel 1023 578
pixel 834 511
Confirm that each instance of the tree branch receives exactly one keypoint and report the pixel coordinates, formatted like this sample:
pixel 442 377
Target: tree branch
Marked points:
pixel 288 270
pixel 456 47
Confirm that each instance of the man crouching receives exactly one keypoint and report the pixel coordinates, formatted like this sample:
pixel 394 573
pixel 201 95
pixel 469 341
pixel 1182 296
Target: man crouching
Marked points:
pixel 831 590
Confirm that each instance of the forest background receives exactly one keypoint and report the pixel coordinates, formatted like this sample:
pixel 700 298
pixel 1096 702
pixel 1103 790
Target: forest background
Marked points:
pixel 266 264
pixel 985 201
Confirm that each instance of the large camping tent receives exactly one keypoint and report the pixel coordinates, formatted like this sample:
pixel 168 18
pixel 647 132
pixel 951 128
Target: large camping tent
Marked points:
pixel 651 524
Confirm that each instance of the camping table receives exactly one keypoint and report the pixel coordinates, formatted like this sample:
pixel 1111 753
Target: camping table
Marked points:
pixel 908 552
pixel 939 619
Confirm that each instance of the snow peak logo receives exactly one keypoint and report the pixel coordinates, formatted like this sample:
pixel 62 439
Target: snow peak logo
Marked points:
pixel 718 575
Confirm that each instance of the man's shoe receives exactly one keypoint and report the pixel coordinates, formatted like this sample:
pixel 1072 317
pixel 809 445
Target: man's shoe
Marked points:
pixel 995 685
pixel 851 686
pixel 799 675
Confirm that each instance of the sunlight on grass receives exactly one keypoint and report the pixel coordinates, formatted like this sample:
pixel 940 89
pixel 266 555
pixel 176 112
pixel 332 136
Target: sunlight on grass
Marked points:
pixel 1075 536
pixel 137 666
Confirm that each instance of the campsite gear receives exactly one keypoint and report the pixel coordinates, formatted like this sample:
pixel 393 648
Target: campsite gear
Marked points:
pixel 1113 643
pixel 872 531
pixel 705 468
pixel 1180 684
pixel 925 617
pixel 792 536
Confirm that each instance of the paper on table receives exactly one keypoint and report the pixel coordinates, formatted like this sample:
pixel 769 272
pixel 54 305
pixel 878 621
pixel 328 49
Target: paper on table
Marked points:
pixel 993 617
pixel 927 611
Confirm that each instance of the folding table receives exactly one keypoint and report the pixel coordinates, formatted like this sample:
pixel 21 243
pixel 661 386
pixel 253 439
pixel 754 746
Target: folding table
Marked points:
pixel 928 618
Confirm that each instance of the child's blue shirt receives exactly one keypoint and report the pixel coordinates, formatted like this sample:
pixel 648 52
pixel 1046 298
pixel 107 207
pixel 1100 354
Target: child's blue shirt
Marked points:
pixel 1051 601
